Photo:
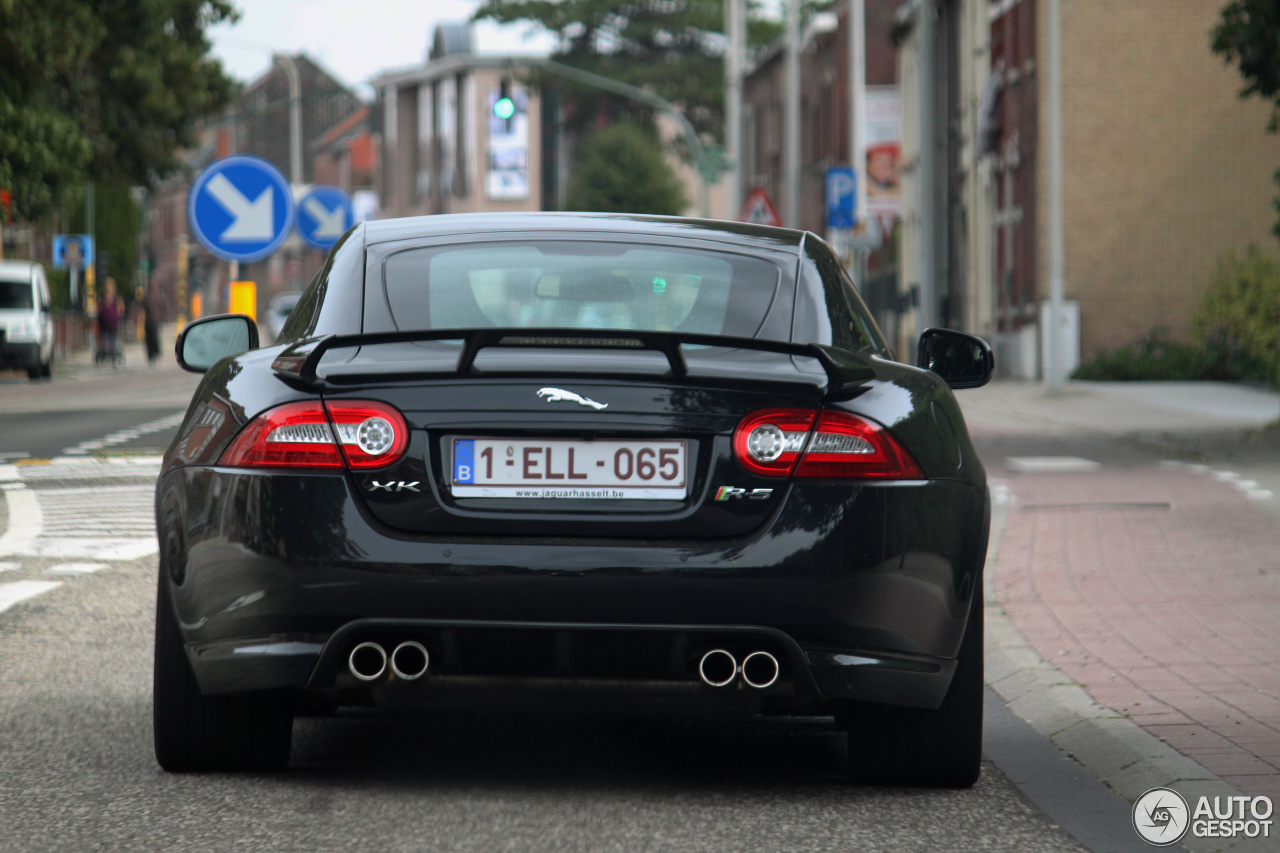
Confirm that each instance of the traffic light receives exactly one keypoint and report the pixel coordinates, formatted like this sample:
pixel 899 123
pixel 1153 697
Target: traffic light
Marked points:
pixel 504 108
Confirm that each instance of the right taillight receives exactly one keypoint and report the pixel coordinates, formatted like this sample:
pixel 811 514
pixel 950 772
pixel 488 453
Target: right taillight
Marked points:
pixel 782 442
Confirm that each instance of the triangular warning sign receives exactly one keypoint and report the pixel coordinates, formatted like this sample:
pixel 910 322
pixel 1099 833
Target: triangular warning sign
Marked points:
pixel 759 209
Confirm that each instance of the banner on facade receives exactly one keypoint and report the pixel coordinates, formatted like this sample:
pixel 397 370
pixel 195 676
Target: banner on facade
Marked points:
pixel 884 151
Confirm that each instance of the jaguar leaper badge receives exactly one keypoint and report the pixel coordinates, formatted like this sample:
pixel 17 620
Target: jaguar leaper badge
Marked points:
pixel 559 395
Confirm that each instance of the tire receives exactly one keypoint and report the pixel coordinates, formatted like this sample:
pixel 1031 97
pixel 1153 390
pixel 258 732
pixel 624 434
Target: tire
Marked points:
pixel 922 748
pixel 194 732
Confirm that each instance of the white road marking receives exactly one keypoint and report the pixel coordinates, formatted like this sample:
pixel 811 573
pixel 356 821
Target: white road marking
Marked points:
pixel 1051 464
pixel 1250 488
pixel 75 568
pixel 84 509
pixel 12 593
pixel 25 522
pixel 125 435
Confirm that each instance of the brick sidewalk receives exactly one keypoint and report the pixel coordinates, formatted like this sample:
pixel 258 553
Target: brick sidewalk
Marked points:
pixel 1159 592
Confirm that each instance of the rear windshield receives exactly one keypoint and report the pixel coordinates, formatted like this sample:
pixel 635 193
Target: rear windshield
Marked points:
pixel 15 294
pixel 581 285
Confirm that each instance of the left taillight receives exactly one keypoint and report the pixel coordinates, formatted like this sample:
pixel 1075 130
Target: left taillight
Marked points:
pixel 299 435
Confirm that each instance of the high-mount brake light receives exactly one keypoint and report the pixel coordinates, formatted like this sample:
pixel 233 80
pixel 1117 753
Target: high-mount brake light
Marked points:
pixel 300 435
pixel 780 442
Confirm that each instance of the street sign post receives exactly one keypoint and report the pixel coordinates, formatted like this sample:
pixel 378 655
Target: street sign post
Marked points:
pixel 324 214
pixel 842 196
pixel 240 208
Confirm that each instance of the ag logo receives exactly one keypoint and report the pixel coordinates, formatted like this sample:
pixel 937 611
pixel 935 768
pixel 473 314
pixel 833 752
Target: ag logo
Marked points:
pixel 1161 817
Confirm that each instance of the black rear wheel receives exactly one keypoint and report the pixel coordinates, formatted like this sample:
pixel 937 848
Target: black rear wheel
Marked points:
pixel 194 732
pixel 923 748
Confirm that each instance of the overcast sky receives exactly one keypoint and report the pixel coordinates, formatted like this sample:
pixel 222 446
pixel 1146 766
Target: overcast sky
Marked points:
pixel 355 39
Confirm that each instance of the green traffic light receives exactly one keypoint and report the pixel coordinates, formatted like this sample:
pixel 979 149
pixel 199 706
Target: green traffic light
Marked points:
pixel 504 108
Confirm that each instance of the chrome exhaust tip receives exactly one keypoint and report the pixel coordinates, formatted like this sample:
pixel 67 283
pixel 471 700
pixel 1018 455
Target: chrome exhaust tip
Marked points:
pixel 367 661
pixel 717 668
pixel 760 670
pixel 410 660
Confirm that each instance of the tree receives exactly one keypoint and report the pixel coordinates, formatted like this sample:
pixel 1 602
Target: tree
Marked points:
pixel 670 47
pixel 1249 35
pixel 621 169
pixel 102 91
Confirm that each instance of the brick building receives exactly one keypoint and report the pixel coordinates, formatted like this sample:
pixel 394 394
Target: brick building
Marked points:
pixel 1164 167
pixel 443 149
pixel 336 148
pixel 825 129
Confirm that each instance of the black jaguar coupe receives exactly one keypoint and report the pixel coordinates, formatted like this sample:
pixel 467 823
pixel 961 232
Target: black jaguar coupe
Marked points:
pixel 582 464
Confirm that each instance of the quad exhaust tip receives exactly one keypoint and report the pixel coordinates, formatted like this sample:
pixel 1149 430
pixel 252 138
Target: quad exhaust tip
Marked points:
pixel 410 660
pixel 718 668
pixel 368 661
pixel 760 670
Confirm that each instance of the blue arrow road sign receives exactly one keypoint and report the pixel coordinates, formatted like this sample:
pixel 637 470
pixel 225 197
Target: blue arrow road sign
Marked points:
pixel 842 194
pixel 241 208
pixel 324 214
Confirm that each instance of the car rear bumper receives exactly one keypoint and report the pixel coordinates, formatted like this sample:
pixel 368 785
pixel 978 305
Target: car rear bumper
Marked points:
pixel 862 593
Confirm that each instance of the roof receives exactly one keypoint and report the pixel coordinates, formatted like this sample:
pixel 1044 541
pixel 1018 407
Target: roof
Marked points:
pixel 15 270
pixel 387 230
pixel 353 123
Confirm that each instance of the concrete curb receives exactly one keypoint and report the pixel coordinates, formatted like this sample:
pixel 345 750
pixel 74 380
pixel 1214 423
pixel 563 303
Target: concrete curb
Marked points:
pixel 1124 756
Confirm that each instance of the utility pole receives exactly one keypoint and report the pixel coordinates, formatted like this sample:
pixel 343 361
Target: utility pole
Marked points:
pixel 1054 369
pixel 295 116
pixel 858 102
pixel 791 122
pixel 858 128
pixel 927 165
pixel 736 28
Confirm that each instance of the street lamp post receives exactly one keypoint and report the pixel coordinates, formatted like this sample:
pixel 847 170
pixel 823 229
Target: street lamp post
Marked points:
pixel 295 115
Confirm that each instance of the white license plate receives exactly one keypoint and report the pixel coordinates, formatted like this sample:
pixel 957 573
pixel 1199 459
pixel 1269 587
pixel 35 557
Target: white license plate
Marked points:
pixel 567 469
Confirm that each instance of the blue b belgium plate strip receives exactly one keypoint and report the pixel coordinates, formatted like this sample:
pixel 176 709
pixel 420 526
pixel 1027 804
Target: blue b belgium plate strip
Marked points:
pixel 464 460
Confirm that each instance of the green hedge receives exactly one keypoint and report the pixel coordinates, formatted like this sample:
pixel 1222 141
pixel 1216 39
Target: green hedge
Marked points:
pixel 1235 332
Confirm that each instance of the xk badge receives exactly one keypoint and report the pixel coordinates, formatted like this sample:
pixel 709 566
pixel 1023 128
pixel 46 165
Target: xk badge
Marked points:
pixel 729 493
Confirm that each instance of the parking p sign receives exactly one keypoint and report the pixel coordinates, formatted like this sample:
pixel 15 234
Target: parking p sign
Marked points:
pixel 842 194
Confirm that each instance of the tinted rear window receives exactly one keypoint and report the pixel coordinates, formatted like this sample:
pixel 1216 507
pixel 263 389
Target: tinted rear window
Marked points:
pixel 579 284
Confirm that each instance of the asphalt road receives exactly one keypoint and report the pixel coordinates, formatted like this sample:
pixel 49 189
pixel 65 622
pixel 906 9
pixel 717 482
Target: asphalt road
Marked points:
pixel 78 771
pixel 75 671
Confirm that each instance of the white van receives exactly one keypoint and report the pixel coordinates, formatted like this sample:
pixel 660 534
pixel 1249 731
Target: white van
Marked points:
pixel 26 319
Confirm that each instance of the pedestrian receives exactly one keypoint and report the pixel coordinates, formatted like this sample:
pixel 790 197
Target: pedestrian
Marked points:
pixel 151 322
pixel 110 315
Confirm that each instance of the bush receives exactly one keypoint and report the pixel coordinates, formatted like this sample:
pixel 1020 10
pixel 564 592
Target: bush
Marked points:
pixel 1239 318
pixel 621 169
pixel 1155 355
pixel 1235 332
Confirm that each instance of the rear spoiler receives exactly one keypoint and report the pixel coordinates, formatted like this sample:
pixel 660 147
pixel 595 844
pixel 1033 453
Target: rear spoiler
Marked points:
pixel 299 361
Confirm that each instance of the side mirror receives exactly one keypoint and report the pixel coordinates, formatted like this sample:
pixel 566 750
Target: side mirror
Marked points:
pixel 963 361
pixel 203 343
